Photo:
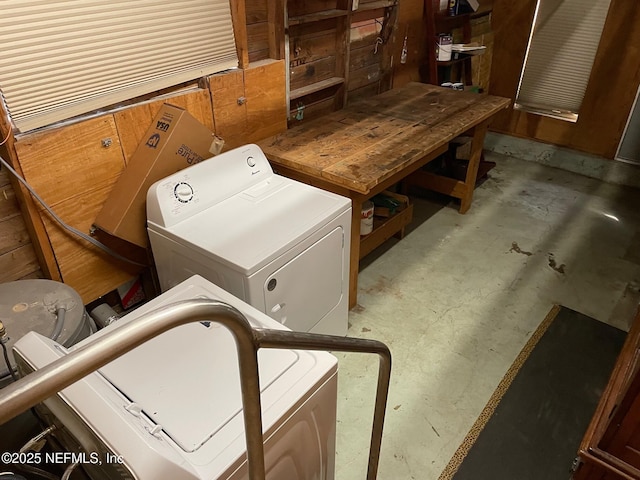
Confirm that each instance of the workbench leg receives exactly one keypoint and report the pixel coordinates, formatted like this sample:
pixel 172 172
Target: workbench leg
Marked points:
pixel 477 144
pixel 354 263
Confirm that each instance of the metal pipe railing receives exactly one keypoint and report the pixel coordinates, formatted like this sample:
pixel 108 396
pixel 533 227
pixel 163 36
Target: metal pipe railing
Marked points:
pixel 309 341
pixel 32 389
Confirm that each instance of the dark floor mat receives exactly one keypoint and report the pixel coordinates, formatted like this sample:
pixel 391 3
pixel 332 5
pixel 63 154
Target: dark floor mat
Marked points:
pixel 532 427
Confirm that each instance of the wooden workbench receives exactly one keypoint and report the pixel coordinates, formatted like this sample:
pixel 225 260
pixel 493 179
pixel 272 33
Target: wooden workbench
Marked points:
pixel 363 149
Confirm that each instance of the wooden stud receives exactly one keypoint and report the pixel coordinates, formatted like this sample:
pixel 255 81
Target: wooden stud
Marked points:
pixel 276 33
pixel 239 18
pixel 40 240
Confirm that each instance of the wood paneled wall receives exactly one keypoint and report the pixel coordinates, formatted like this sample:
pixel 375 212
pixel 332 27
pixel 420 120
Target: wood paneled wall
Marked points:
pixel 20 257
pixel 73 168
pixel 69 167
pixel 410 24
pixel 609 97
pixel 258 28
pixel 17 257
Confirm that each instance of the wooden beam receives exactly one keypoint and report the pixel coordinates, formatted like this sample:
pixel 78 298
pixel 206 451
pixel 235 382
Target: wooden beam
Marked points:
pixel 239 18
pixel 275 21
pixel 39 238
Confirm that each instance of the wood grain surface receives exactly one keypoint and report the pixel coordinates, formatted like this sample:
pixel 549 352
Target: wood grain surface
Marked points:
pixel 371 140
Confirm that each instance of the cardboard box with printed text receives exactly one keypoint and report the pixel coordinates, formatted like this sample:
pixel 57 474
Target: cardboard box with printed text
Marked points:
pixel 175 140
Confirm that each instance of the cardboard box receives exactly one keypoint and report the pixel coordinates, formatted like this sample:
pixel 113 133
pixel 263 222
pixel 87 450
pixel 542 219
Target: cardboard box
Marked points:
pixel 175 140
pixel 389 203
pixel 462 146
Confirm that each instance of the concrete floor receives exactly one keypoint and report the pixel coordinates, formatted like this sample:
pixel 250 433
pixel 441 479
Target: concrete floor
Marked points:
pixel 459 296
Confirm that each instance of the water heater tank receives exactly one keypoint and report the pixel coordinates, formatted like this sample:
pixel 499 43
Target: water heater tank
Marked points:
pixel 45 306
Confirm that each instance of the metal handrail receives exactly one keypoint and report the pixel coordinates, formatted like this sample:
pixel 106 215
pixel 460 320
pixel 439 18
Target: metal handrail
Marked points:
pixel 32 389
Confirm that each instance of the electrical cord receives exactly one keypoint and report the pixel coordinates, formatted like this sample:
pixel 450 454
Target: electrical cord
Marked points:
pixel 37 471
pixel 69 228
pixel 57 330
pixel 29 446
pixel 6 138
pixel 35 440
pixel 69 470
pixel 11 476
pixel 3 340
pixel 6 360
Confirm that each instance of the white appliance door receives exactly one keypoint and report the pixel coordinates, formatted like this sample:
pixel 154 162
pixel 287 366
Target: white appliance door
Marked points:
pixel 305 289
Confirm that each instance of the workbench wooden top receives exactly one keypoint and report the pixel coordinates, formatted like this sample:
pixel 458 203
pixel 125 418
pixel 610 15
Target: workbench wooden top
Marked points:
pixel 367 142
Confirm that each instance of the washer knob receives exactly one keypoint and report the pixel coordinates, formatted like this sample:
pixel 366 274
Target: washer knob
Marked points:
pixel 251 162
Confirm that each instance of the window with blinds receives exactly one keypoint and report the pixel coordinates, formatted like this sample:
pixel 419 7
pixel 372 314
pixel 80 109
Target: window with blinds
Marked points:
pixel 562 48
pixel 61 59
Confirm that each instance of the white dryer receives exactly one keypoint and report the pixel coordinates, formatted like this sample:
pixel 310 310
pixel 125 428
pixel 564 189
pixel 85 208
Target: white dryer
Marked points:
pixel 171 408
pixel 278 244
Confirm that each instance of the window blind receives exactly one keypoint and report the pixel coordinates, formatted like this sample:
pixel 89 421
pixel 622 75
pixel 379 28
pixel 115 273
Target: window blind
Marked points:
pixel 65 58
pixel 562 48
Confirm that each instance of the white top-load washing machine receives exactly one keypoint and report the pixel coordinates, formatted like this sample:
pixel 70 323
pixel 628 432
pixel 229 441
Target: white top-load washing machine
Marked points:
pixel 278 244
pixel 171 408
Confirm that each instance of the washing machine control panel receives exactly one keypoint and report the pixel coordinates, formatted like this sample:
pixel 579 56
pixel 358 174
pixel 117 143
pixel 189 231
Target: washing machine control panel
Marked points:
pixel 183 192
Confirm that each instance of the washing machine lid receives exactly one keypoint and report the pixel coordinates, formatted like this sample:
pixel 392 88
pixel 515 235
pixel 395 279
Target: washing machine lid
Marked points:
pixel 250 229
pixel 187 380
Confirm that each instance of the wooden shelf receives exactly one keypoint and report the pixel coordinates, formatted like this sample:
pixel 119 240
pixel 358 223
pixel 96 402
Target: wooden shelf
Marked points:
pixel 315 87
pixel 318 50
pixel 442 17
pixel 376 5
pixel 437 22
pixel 485 9
pixel 317 16
pixel 453 61
pixel 449 22
pixel 384 229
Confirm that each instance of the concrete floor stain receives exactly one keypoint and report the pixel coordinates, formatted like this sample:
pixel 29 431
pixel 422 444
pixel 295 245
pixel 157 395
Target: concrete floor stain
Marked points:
pixel 517 249
pixel 358 308
pixel 553 264
pixel 383 286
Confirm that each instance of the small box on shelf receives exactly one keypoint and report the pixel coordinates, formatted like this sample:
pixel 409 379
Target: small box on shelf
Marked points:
pixel 389 203
pixel 387 224
pixel 468 5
